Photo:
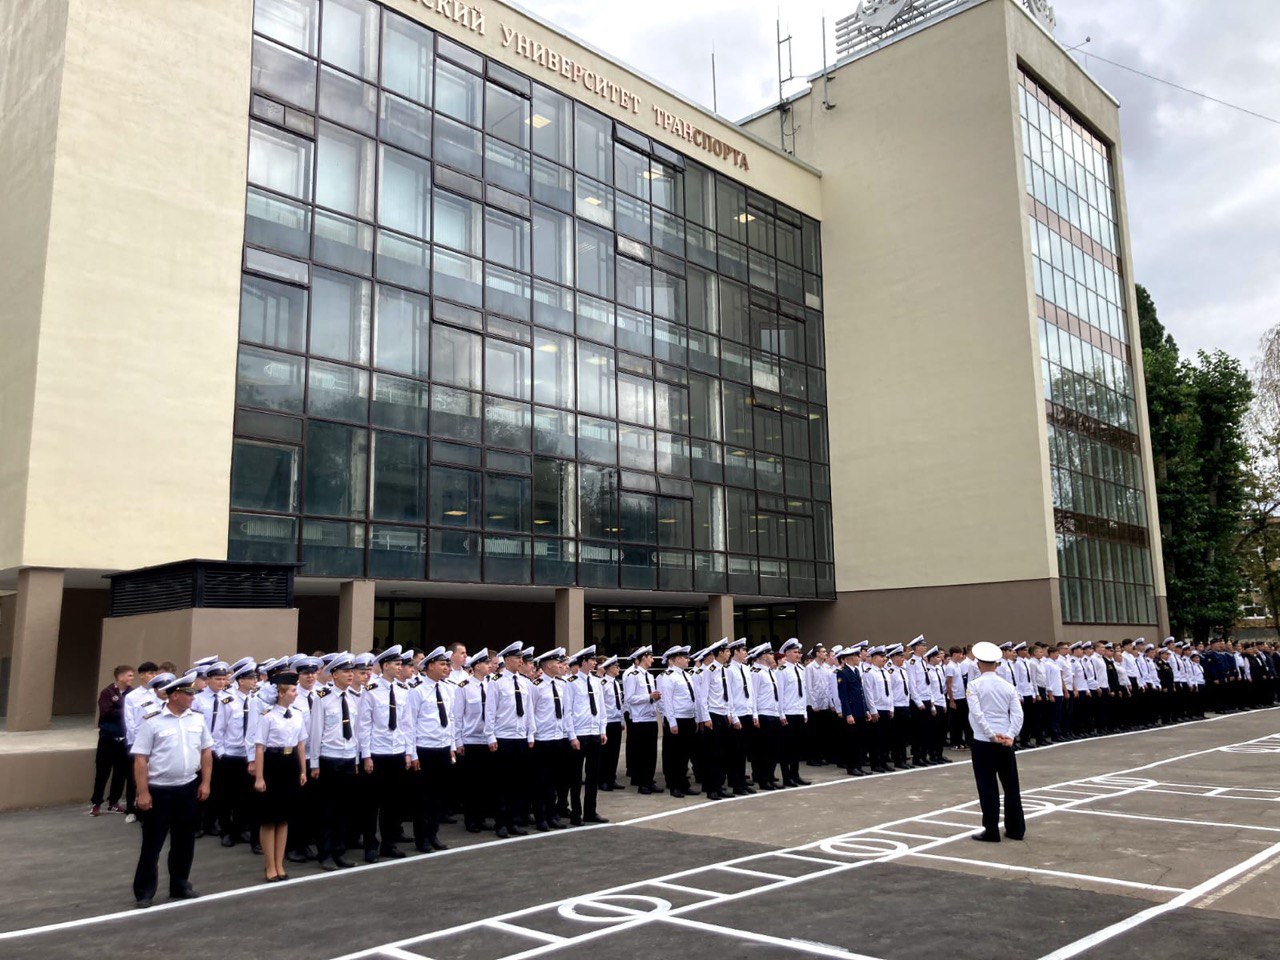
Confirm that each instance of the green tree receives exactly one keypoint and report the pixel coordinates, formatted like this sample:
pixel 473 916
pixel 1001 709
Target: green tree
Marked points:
pixel 1200 453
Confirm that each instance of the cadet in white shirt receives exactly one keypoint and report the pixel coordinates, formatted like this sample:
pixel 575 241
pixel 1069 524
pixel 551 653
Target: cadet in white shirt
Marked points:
pixel 879 699
pixel 479 744
pixel 716 719
pixel 745 723
pixel 795 714
pixel 678 707
pixel 615 708
pixel 957 676
pixel 995 713
pixel 768 739
pixel 384 755
pixel 172 766
pixel 436 738
pixel 1055 694
pixel 586 694
pixel 511 709
pixel 820 731
pixel 555 740
pixel 141 699
pixel 334 739
pixel 232 782
pixel 641 696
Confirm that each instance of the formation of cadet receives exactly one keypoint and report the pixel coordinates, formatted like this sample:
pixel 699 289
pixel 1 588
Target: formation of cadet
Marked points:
pixel 510 739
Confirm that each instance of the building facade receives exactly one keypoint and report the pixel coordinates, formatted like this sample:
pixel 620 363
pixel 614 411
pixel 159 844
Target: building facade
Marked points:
pixel 492 335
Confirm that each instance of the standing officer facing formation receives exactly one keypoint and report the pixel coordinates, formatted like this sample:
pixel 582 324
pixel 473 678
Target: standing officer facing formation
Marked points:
pixel 995 713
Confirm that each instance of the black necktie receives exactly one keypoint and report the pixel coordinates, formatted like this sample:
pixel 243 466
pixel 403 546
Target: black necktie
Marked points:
pixel 617 694
pixel 444 715
pixel 648 681
pixel 216 701
pixel 591 694
pixel 244 718
pixel 685 677
pixel 346 716
pixel 724 684
pixel 555 695
pixel 886 682
pixel 515 684
pixel 287 713
pixel 799 681
pixel 482 700
pixel 745 692
pixel 310 703
pixel 774 681
pixel 392 720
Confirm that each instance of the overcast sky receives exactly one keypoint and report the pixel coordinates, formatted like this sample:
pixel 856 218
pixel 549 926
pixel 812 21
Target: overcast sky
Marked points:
pixel 1203 180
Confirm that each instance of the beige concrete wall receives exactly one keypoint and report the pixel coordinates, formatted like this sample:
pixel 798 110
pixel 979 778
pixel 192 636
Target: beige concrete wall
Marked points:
pixel 31 60
pixel 131 439
pixel 79 647
pixel 45 777
pixel 938 456
pixel 769 170
pixel 186 635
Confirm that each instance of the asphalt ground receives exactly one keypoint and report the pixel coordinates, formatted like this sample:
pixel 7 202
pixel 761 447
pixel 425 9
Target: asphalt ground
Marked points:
pixel 1157 843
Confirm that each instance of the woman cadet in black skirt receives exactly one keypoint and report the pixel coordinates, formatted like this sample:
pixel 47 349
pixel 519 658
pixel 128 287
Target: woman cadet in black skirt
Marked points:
pixel 281 756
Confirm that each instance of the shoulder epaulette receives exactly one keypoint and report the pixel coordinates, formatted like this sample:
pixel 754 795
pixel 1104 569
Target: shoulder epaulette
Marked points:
pixel 323 692
pixel 353 690
pixel 538 681
pixel 153 713
pixel 755 669
pixel 267 710
pixel 371 685
pixel 225 700
pixel 712 666
pixel 463 683
pixel 669 671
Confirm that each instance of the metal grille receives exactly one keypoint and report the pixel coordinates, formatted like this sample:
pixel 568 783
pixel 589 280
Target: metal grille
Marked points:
pixel 202 583
pixel 878 21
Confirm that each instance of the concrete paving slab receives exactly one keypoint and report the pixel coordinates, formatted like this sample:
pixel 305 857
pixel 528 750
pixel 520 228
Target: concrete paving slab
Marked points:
pixel 1194 935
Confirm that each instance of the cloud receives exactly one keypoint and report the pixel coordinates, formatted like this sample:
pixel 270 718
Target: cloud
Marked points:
pixel 1203 180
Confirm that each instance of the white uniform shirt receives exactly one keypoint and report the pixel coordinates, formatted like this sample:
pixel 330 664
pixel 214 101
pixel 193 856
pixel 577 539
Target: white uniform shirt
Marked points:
pixel 1004 670
pixel 1052 675
pixel 764 686
pixel 994 708
pixel 915 667
pixel 900 688
pixel 172 745
pixel 637 685
pixel 717 697
pixel 587 696
pixel 817 691
pixel 278 731
pixel 476 717
pixel 791 690
pixel 614 704
pixel 233 723
pixel 678 699
pixel 935 685
pixel 958 675
pixel 376 736
pixel 876 691
pixel 511 707
pixel 430 712
pixel 1022 677
pixel 137 702
pixel 328 733
pixel 203 704
pixel 742 694
pixel 552 710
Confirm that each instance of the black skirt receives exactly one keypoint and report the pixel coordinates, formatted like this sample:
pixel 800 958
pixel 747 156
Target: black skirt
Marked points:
pixel 280 800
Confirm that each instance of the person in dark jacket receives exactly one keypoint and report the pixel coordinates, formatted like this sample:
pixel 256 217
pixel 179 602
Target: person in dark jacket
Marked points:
pixel 112 759
pixel 854 711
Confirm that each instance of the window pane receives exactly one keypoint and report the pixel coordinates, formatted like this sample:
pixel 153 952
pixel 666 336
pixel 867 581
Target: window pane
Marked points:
pixel 332 549
pixel 284 75
pixel 348 101
pixel 638 518
pixel 454 556
pixel 406 58
pixel 340 307
pixel 598 503
pixel 708 517
pixel 635 399
pixel 506 115
pixel 339 392
pixel 458 146
pixel 631 171
pixel 704 407
pixel 506 240
pixel 507 369
pixel 675 522
pixel 553 245
pixel 400 404
pixel 508 504
pixel 595 261
pixel 457 277
pixel 350 36
pixel 596 319
pixel 455 497
pixel 595 380
pixel 404 193
pixel 636 448
pixel 456 357
pixel 458 223
pixel 337 460
pixel 271 381
pixel 399 478
pixel 552 123
pixel 456 414
pixel 555 498
pixel 459 93
pixel 597 440
pixel 344 171
pixel 344 243
pixel 273 313
pixel 398 553
pixel 741 521
pixel 279 161
pixel 553 368
pixel 507 423
pixel 264 476
pixel 506 166
pixel 258 539
pixel 295 22
pixel 594 147
pixel 403 327
pixel 406 125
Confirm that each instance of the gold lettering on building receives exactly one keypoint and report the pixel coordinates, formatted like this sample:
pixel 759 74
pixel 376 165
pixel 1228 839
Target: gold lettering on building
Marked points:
pixel 679 127
pixel 458 12
pixel 593 82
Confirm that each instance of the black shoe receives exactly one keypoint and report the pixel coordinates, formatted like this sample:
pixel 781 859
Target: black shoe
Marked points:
pixel 371 856
pixel 790 783
pixel 310 852
pixel 392 852
pixel 541 826
pixel 606 787
pixel 594 818
pixel 714 795
pixel 1012 837
pixel 746 788
pixel 517 832
pixel 816 763
pixel 692 791
pixel 257 849
pixel 857 772
pixel 143 903
pixel 740 792
pixel 555 823
pixel 183 893
pixel 423 847
pixel 501 833
pixel 327 865
pixel 644 791
pixel 296 856
pixel 802 782
pixel 945 760
pixel 448 819
pixel 343 862
pixel 199 834
pixel 575 821
pixel 563 812
pixel 228 840
pixel 617 786
pixel 986 838
pixel 879 769
pixel 769 786
pixel 473 828
pixel 436 844
pixel 678 794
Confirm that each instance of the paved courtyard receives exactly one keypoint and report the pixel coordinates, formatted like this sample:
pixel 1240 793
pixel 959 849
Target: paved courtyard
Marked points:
pixel 1159 843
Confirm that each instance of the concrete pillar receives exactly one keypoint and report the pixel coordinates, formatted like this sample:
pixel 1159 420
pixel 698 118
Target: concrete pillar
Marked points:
pixel 719 617
pixel 37 616
pixel 571 618
pixel 355 616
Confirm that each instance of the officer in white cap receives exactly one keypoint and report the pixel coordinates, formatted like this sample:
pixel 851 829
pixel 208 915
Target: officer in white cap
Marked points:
pixel 795 711
pixel 436 738
pixel 995 713
pixel 233 784
pixel 511 706
pixel 555 740
pixel 641 696
pixel 208 704
pixel 586 696
pixel 715 718
pixel 384 756
pixel 678 706
pixel 333 752
pixel 745 720
pixel 768 745
pixel 615 709
pixel 173 764
pixel 479 743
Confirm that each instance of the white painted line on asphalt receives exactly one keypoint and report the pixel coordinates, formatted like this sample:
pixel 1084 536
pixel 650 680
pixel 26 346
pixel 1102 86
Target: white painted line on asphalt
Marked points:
pixel 1048 873
pixel 799 856
pixel 702 891
pixel 1194 823
pixel 946 823
pixel 809 947
pixel 754 873
pixel 279 889
pixel 911 836
pixel 526 932
pixel 1116 929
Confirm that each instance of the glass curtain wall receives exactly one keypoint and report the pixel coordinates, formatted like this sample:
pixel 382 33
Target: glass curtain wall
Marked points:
pixel 489 334
pixel 1100 510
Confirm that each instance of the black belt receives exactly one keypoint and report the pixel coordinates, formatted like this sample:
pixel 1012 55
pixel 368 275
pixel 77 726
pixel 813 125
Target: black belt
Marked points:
pixel 279 751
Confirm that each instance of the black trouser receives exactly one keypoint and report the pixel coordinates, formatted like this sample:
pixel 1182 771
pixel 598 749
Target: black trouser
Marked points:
pixel 433 785
pixel 815 737
pixel 793 735
pixel 992 761
pixel 554 760
pixel 678 749
pixel 383 798
pixel 739 748
pixel 1029 720
pixel 131 785
pixel 610 752
pixel 920 723
pixel 881 734
pixel 513 775
pixel 958 717
pixel 937 733
pixel 174 814
pixel 302 819
pixel 585 781
pixel 234 796
pixel 718 747
pixel 642 751
pixel 767 743
pixel 475 771
pixel 900 734
pixel 1055 716
pixel 112 761
pixel 855 748
pixel 336 796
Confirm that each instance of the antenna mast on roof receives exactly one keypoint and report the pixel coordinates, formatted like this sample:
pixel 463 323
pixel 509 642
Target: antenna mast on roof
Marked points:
pixel 715 100
pixel 786 122
pixel 826 76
